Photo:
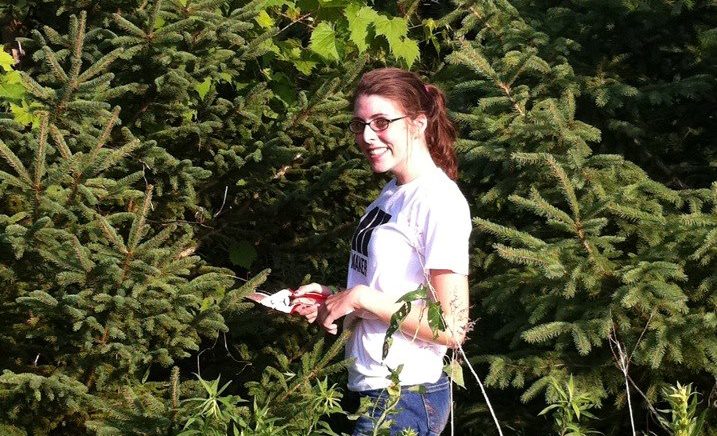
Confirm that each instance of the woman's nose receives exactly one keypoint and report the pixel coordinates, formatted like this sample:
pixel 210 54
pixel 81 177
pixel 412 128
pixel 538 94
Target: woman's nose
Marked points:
pixel 368 133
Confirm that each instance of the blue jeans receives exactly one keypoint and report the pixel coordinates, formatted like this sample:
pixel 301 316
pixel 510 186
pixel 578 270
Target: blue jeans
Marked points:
pixel 426 413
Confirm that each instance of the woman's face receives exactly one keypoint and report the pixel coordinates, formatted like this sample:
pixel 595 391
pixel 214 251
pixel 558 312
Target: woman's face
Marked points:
pixel 387 150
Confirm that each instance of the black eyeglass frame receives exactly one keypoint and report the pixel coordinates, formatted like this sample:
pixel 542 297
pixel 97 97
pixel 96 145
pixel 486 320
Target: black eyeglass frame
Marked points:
pixel 356 122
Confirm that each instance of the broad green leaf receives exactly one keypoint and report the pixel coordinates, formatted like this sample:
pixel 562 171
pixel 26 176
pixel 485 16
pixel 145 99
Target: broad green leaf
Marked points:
pixel 435 318
pixel 323 42
pixel 454 370
pixel 264 20
pixel 6 61
pixel 304 67
pixel 11 86
pixel 359 19
pixel 203 88
pixel 395 323
pixel 272 3
pixel 394 29
pixel 188 115
pixel 159 22
pixel 242 254
pixel 406 49
pixel 23 115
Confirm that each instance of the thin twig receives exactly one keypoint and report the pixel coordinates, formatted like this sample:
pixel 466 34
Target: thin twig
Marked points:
pixel 623 363
pixel 226 189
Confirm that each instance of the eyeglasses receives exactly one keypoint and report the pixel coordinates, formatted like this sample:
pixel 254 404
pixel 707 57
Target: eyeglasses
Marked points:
pixel 377 124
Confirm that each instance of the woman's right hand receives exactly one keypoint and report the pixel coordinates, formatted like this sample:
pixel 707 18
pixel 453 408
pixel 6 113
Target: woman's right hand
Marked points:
pixel 308 307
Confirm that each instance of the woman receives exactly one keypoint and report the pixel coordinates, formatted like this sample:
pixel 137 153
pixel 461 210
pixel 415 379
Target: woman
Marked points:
pixel 416 232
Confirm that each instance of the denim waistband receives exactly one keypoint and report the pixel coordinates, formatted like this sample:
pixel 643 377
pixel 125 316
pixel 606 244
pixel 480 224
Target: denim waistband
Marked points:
pixel 442 383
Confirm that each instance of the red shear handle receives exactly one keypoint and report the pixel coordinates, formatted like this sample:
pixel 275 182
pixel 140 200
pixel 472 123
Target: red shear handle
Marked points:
pixel 313 297
pixel 316 297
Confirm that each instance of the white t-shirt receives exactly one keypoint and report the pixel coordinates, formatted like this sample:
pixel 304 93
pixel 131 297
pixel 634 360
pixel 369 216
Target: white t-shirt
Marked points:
pixel 408 230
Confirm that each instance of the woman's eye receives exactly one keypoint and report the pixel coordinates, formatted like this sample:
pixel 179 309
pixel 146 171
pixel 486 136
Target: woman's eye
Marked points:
pixel 380 123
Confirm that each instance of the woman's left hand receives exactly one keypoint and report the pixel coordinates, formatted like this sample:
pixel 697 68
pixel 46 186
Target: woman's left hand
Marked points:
pixel 339 305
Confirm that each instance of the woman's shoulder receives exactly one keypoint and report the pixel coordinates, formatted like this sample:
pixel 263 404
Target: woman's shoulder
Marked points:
pixel 440 191
pixel 436 197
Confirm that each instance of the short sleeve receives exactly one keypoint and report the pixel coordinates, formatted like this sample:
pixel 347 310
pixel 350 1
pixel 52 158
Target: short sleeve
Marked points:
pixel 447 231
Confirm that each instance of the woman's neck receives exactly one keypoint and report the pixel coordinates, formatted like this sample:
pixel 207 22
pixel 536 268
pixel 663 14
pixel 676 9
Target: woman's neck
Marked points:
pixel 419 163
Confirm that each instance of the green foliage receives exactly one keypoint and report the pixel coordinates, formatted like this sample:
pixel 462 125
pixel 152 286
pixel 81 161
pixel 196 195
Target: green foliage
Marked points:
pixel 146 147
pixel 569 406
pixel 683 419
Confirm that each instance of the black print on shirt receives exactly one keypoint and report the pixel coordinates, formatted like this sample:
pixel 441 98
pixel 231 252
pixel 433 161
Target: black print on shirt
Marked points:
pixel 362 236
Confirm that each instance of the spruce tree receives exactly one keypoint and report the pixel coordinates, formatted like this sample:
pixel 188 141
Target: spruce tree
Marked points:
pixel 577 252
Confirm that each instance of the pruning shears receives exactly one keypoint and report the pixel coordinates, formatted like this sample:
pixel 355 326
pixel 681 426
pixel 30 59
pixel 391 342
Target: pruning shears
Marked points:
pixel 284 300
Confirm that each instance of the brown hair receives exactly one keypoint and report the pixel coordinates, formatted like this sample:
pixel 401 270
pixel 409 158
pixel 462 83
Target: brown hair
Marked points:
pixel 416 97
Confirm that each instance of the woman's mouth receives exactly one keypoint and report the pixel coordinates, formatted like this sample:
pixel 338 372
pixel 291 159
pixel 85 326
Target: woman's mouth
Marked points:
pixel 376 152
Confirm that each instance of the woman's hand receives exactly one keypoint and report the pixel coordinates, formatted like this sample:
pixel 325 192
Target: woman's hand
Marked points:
pixel 307 307
pixel 339 305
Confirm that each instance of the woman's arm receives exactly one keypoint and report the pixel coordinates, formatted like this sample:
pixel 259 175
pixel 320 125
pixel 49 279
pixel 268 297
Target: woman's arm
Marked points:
pixel 451 291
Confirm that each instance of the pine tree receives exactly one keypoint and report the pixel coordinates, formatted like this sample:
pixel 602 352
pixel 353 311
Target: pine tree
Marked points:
pixel 576 251
pixel 155 133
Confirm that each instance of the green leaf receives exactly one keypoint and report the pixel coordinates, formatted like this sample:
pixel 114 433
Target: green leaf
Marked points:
pixel 394 29
pixel 264 20
pixel 159 22
pixel 304 67
pixel 23 115
pixel 396 319
pixel 203 88
pixel 11 87
pixel 359 19
pixel 242 253
pixel 323 42
pixel 454 370
pixel 406 49
pixel 6 61
pixel 435 318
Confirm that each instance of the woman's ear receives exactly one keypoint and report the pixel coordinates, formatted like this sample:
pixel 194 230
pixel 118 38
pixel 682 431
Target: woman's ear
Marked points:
pixel 420 123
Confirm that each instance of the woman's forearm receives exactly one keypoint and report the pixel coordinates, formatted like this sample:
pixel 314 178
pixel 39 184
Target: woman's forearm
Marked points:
pixel 415 324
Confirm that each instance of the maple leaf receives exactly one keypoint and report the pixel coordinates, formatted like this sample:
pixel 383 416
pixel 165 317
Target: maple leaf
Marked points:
pixel 323 42
pixel 359 19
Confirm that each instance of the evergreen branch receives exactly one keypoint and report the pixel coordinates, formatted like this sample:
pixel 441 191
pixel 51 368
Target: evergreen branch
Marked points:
pixel 508 233
pixel 55 37
pixel 40 156
pixel 15 163
pixel 710 242
pixel 105 134
pixel 316 372
pixel 12 180
pixel 473 58
pixel 545 332
pixel 60 142
pixel 40 165
pixel 128 26
pixel 135 233
pixel 565 184
pixel 538 205
pixel 35 88
pixel 152 18
pixel 100 65
pixel 632 214
pixel 111 234
pixel 85 261
pixel 79 42
pixel 55 67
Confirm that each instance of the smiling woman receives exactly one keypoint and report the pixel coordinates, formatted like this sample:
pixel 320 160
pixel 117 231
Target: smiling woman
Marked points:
pixel 414 234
